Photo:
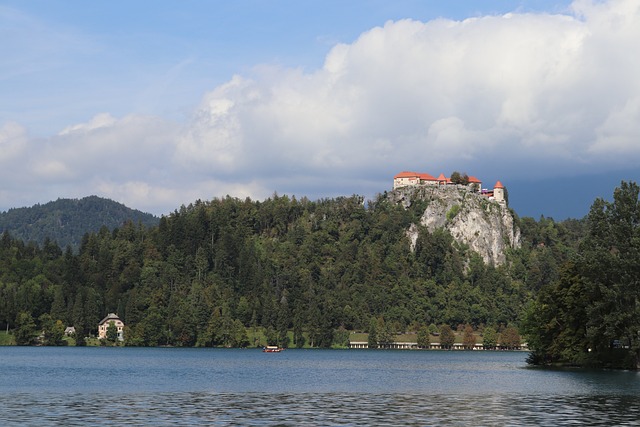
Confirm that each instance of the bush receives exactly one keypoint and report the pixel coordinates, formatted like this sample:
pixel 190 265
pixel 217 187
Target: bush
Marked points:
pixel 453 212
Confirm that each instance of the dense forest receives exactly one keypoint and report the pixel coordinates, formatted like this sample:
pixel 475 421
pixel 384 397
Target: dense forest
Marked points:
pixel 303 272
pixel 590 315
pixel 65 221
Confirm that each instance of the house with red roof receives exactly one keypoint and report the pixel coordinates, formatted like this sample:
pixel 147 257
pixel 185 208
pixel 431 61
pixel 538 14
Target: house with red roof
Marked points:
pixel 407 178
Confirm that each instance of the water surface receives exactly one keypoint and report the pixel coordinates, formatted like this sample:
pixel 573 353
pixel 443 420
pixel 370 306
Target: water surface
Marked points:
pixel 160 386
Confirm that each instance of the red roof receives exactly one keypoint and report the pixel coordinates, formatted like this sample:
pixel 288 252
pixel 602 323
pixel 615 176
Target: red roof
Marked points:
pixel 498 185
pixel 426 177
pixel 407 174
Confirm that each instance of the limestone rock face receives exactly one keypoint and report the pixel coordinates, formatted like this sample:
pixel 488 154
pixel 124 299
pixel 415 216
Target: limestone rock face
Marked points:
pixel 485 225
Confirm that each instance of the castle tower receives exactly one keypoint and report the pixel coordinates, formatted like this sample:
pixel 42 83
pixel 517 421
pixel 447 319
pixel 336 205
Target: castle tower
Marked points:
pixel 498 192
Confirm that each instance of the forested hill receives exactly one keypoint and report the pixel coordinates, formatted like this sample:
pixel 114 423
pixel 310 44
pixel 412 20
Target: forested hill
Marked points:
pixel 313 269
pixel 65 221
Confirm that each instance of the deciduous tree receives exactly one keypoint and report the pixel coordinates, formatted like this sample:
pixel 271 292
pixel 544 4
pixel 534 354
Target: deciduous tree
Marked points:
pixel 423 337
pixel 468 338
pixel 447 337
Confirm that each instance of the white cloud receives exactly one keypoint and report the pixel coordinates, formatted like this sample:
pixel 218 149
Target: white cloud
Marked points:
pixel 619 134
pixel 99 121
pixel 525 88
pixel 13 140
pixel 519 94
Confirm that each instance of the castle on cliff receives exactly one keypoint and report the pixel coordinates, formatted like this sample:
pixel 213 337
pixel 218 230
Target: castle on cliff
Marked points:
pixel 408 179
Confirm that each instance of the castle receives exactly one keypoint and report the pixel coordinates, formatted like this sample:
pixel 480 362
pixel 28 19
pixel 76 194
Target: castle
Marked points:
pixel 407 179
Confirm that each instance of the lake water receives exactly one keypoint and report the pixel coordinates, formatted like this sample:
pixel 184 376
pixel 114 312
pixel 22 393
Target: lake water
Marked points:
pixel 219 387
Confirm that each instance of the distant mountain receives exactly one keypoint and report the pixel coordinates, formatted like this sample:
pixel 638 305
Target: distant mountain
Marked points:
pixel 65 221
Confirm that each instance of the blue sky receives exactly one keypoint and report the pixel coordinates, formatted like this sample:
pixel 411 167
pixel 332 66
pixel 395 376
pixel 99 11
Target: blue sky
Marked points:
pixel 157 104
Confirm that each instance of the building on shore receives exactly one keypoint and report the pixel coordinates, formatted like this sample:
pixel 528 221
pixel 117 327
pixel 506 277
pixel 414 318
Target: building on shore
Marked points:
pixel 432 346
pixel 104 325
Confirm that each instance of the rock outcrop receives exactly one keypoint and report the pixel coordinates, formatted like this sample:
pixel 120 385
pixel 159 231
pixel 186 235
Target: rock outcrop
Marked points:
pixel 485 225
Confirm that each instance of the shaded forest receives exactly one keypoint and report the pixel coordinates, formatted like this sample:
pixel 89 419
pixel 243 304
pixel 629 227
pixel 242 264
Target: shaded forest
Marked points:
pixel 589 315
pixel 65 221
pixel 290 267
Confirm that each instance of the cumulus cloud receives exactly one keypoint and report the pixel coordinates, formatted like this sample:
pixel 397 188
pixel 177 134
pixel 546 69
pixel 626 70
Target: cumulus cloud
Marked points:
pixel 129 159
pixel 13 140
pixel 521 94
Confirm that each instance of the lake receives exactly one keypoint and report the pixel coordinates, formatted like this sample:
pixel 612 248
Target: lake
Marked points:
pixel 220 387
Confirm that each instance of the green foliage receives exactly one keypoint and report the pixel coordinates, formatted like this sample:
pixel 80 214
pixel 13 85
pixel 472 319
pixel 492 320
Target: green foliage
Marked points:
pixel 372 340
pixel 423 340
pixel 433 329
pixel 510 338
pixel 489 338
pixel 66 221
pixel 385 335
pixel 447 337
pixel 590 315
pixel 295 272
pixel 451 214
pixel 6 339
pixel 468 338
pixel 25 332
pixel 112 332
pixel 52 331
pixel 341 337
pixel 458 178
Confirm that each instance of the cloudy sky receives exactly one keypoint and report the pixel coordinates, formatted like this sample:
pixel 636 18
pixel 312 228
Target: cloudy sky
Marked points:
pixel 158 104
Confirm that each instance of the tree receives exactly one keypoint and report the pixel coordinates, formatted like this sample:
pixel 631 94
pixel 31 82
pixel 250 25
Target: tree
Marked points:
pixel 25 332
pixel 554 324
pixel 458 178
pixel 112 332
pixel 611 271
pixel 384 333
pixel 433 329
pixel 240 337
pixel 53 331
pixel 591 315
pixel 271 335
pixel 510 338
pixel 447 337
pixel 423 337
pixel 58 307
pixel 468 338
pixel 341 337
pixel 298 336
pixel 372 339
pixel 489 338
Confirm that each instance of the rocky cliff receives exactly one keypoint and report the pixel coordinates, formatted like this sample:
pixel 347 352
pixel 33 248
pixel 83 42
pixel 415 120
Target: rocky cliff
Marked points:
pixel 485 225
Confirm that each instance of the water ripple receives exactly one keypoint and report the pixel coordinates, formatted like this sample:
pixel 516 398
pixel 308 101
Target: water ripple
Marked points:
pixel 337 409
pixel 207 387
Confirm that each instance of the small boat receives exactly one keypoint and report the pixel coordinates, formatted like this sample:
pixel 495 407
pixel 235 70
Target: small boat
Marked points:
pixel 272 349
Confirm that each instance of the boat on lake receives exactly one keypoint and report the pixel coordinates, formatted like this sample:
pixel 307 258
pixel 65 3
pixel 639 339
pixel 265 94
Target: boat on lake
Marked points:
pixel 272 349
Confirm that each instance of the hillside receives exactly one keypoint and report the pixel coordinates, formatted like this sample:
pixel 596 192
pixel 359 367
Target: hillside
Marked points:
pixel 282 267
pixel 65 221
pixel 486 226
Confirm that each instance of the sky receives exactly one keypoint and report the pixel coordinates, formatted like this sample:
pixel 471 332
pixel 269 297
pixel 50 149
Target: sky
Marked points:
pixel 159 104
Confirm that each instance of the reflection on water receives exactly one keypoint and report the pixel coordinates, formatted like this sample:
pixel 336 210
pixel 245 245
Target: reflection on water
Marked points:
pixel 75 386
pixel 318 409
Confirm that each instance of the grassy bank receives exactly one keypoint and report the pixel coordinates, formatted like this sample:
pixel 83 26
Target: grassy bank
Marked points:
pixel 6 339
